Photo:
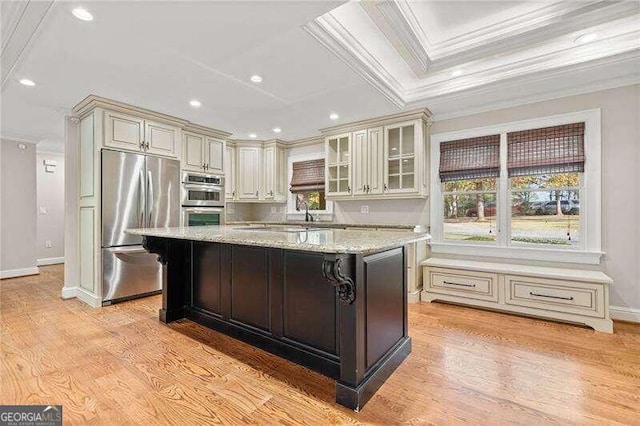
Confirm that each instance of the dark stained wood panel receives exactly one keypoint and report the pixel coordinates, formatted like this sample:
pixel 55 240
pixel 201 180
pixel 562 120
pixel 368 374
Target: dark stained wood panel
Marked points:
pixel 206 276
pixel 309 306
pixel 385 311
pixel 250 286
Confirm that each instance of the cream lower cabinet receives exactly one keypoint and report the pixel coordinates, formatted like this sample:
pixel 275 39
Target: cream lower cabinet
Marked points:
pixel 577 296
pixel 385 160
pixel 132 133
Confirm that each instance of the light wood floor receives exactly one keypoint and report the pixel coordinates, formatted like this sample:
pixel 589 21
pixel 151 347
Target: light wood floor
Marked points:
pixel 120 365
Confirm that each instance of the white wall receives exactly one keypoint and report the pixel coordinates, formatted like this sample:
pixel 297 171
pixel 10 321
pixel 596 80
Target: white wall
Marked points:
pixel 620 177
pixel 17 209
pixel 50 201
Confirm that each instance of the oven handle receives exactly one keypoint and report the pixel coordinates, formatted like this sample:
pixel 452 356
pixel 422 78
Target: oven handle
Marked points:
pixel 203 210
pixel 205 188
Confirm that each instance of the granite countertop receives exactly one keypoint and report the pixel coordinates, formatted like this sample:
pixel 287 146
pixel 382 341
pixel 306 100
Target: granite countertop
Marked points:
pixel 323 224
pixel 328 240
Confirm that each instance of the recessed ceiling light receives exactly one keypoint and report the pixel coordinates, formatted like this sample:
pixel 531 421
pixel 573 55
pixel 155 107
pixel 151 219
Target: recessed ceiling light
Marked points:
pixel 586 38
pixel 277 130
pixel 457 73
pixel 27 82
pixel 256 78
pixel 195 103
pixel 253 135
pixel 334 116
pixel 82 14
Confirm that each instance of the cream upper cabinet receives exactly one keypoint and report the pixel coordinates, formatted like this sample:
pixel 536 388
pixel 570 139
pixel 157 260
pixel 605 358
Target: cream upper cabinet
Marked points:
pixel 230 172
pixel 128 132
pixel 248 173
pixel 375 182
pixel 360 162
pixel 124 131
pixel 161 139
pixel 273 178
pixel 202 153
pixel 338 165
pixel 193 152
pixel 214 155
pixel 367 162
pixel 402 158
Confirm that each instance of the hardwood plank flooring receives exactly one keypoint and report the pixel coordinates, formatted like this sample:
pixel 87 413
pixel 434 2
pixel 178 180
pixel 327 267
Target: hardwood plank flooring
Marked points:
pixel 120 365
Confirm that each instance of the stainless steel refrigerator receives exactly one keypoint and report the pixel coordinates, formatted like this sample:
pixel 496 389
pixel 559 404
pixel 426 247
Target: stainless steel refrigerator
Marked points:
pixel 138 191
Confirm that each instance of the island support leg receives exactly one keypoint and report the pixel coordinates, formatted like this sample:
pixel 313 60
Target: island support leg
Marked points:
pixel 174 256
pixel 373 321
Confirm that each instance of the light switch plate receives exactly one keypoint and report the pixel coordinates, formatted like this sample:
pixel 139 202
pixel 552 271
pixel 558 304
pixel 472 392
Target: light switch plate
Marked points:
pixel 364 209
pixel 43 210
pixel 47 244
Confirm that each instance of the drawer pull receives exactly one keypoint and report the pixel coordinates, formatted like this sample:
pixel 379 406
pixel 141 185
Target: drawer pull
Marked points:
pixel 459 284
pixel 550 297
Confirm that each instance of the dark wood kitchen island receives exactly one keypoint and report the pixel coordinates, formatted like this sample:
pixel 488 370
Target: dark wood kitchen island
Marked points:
pixel 333 300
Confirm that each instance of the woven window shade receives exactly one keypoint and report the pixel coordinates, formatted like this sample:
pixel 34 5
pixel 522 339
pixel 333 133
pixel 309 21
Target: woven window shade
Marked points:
pixel 557 149
pixel 473 158
pixel 308 176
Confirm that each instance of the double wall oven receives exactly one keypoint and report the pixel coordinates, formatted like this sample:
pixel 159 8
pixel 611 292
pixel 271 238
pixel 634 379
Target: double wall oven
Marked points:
pixel 202 199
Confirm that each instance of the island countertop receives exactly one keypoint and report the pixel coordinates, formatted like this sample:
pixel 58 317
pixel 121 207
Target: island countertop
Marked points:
pixel 326 240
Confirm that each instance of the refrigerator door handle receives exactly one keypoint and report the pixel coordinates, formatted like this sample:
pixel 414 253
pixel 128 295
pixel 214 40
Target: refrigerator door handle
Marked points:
pixel 141 200
pixel 150 199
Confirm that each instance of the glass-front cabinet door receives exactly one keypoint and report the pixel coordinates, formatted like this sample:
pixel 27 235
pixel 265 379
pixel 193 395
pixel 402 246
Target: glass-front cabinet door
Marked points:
pixel 400 148
pixel 338 166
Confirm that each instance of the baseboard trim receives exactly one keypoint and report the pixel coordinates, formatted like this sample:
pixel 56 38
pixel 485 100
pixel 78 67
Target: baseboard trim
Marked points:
pixel 88 298
pixel 69 292
pixel 624 314
pixel 50 261
pixel 13 273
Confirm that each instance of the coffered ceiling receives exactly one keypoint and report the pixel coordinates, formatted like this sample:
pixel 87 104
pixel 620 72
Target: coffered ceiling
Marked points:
pixel 416 52
pixel 356 59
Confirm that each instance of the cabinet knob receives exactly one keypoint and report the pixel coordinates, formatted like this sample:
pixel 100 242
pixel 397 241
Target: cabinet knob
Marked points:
pixel 256 193
pixel 348 189
pixel 386 187
pixel 233 194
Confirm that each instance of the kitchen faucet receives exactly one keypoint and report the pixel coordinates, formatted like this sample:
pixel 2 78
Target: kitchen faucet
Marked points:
pixel 307 215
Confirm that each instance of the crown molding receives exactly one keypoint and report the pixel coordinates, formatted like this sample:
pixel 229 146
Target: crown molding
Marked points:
pixel 573 59
pixel 191 127
pixel 311 140
pixel 415 114
pixel 94 101
pixel 338 40
pixel 580 89
pixel 538 32
pixel 401 33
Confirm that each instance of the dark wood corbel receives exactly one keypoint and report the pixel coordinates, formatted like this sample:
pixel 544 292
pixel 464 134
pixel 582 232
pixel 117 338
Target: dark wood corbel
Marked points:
pixel 333 270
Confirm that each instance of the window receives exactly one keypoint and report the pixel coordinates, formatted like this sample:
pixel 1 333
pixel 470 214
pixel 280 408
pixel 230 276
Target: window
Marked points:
pixel 523 190
pixel 307 188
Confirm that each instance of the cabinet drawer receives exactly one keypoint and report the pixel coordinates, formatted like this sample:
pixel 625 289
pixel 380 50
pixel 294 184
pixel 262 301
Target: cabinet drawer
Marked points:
pixel 555 295
pixel 476 285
